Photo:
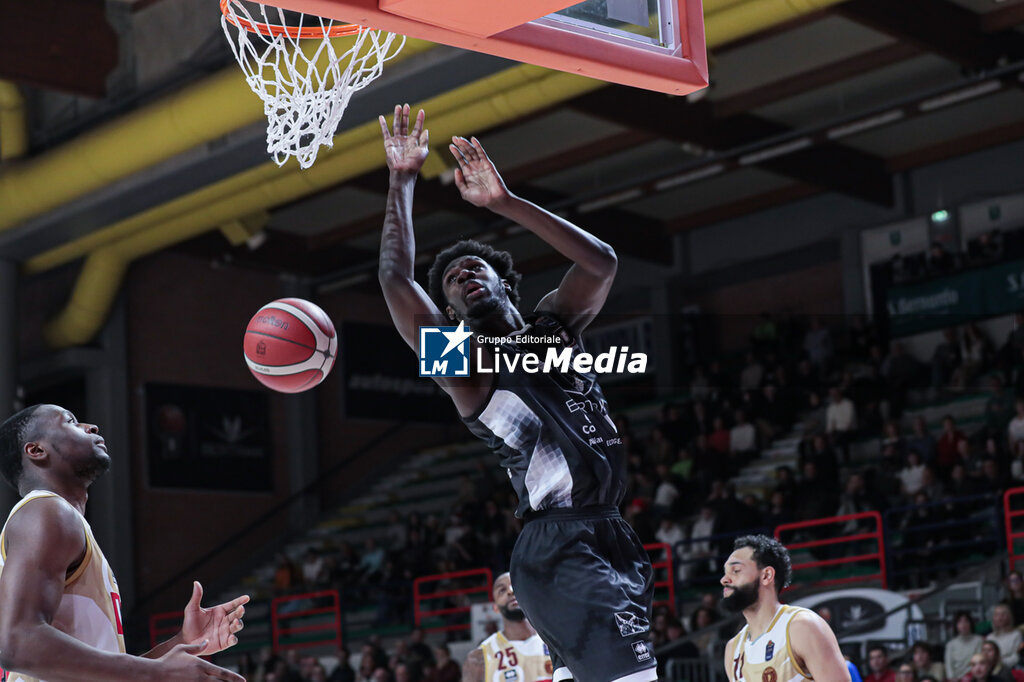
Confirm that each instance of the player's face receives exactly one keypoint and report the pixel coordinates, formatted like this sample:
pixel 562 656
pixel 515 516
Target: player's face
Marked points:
pixel 742 580
pixel 472 287
pixel 76 443
pixel 505 600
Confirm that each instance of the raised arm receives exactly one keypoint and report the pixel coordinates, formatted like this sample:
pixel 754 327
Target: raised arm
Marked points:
pixel 44 540
pixel 583 290
pixel 406 151
pixel 408 303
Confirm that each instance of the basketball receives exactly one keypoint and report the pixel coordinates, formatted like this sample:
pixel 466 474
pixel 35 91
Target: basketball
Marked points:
pixel 290 345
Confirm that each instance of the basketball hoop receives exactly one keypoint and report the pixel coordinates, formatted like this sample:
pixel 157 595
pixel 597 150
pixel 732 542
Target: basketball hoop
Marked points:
pixel 305 87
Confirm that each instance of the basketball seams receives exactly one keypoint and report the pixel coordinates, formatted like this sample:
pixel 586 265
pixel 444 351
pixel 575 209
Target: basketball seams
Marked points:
pixel 315 361
pixel 281 338
pixel 323 341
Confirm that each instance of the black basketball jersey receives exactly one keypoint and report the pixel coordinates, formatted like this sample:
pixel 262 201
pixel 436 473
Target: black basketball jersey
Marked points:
pixel 552 431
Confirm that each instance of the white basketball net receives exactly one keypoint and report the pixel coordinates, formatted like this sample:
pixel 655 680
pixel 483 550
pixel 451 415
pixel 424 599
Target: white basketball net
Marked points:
pixel 305 84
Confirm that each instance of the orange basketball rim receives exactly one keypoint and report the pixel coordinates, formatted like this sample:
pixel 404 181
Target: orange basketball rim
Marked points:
pixel 298 33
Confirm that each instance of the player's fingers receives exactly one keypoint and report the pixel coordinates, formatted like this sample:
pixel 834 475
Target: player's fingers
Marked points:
pixel 478 148
pixel 405 119
pixel 471 151
pixel 457 153
pixel 464 148
pixel 398 119
pixel 460 180
pixel 236 626
pixel 425 140
pixel 418 126
pixel 384 127
pixel 217 673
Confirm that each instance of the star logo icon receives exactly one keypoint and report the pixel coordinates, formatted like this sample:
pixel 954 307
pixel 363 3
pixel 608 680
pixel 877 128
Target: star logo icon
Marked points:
pixel 455 338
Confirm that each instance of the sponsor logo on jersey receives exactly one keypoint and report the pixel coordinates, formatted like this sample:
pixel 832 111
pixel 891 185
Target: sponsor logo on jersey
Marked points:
pixel 769 650
pixel 769 675
pixel 643 652
pixel 511 675
pixel 630 624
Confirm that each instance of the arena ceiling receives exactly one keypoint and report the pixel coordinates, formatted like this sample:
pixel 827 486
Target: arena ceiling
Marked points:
pixel 838 100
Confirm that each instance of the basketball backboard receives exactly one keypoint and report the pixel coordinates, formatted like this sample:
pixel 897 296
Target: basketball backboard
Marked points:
pixel 651 44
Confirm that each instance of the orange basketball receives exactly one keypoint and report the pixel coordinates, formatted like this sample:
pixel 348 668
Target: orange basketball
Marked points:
pixel 290 345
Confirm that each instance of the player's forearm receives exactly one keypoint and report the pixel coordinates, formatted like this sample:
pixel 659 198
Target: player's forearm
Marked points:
pixel 576 244
pixel 398 243
pixel 45 652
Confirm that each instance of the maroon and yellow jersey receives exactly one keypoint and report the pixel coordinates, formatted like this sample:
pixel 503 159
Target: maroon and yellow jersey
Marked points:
pixel 90 610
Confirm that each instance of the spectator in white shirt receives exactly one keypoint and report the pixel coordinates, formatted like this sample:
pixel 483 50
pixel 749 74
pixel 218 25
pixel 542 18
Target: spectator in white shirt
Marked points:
pixel 841 415
pixel 1007 637
pixel 840 421
pixel 751 374
pixel 1015 431
pixel 670 532
pixel 666 493
pixel 701 558
pixel 742 436
pixel 912 475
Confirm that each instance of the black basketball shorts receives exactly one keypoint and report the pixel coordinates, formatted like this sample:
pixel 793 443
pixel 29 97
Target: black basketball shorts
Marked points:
pixel 585 582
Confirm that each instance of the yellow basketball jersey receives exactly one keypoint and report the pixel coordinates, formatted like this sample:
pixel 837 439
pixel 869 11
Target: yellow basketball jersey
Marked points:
pixel 90 610
pixel 508 660
pixel 768 658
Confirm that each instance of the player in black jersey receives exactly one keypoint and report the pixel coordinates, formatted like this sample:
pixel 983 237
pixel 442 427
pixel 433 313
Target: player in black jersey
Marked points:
pixel 581 575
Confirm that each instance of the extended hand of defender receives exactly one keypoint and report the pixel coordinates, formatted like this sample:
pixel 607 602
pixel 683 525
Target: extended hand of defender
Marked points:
pixel 476 177
pixel 217 625
pixel 405 151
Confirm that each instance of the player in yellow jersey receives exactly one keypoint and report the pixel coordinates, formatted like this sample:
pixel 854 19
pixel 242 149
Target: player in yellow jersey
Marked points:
pixel 60 616
pixel 513 654
pixel 779 643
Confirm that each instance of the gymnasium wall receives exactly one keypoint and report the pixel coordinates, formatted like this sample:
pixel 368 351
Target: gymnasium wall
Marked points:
pixel 185 325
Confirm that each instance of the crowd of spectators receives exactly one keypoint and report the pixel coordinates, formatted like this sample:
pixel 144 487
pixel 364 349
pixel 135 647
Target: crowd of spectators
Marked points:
pixel 987 248
pixel 409 659
pixel 988 651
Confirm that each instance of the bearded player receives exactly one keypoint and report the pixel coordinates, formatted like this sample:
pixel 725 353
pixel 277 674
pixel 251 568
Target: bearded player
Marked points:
pixel 515 652
pixel 779 642
pixel 580 573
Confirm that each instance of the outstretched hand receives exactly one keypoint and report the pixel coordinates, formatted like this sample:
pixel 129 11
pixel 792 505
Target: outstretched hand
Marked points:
pixel 476 177
pixel 406 151
pixel 216 625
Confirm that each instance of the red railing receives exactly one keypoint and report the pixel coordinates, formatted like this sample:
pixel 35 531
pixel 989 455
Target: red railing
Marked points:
pixel 877 535
pixel 1008 516
pixel 419 596
pixel 325 603
pixel 163 626
pixel 669 581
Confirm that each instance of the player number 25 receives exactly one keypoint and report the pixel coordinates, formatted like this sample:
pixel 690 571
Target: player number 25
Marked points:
pixel 507 656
